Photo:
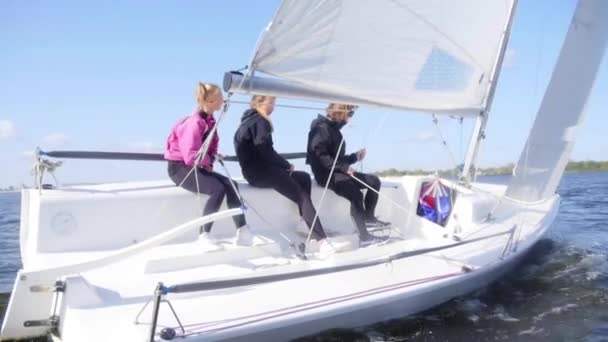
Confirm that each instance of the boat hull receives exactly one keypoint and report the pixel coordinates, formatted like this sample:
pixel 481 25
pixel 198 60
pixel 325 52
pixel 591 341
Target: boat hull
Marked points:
pixel 398 307
pixel 398 294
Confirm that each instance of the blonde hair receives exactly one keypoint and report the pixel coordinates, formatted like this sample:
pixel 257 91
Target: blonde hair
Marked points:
pixel 338 111
pixel 256 100
pixel 204 91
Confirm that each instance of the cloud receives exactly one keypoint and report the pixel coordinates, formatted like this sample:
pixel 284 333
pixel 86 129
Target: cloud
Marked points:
pixel 421 137
pixel 7 129
pixel 425 136
pixel 55 140
pixel 145 146
pixel 509 59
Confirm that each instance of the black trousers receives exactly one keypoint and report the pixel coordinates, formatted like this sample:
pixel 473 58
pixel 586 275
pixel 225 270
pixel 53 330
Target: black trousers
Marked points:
pixel 360 208
pixel 296 187
pixel 209 183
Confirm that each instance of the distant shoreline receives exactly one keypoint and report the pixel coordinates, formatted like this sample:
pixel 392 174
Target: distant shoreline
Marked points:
pixel 572 167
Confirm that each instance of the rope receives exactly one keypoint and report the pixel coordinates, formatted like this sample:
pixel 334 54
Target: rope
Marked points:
pixel 285 106
pixel 198 198
pixel 202 151
pixel 407 212
pixel 246 204
pixel 236 190
pixel 320 203
pixel 310 305
pixel 274 227
pixel 226 283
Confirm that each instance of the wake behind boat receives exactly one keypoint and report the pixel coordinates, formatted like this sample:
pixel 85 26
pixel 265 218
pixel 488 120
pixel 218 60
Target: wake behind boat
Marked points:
pixel 125 261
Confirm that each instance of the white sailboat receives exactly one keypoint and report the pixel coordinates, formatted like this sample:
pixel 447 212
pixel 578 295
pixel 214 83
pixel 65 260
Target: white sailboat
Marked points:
pixel 122 262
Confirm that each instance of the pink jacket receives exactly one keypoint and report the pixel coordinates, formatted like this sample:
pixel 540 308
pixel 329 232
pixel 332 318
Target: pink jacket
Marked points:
pixel 187 137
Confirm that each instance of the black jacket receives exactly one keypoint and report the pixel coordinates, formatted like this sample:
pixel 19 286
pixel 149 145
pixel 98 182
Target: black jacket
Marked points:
pixel 323 141
pixel 253 145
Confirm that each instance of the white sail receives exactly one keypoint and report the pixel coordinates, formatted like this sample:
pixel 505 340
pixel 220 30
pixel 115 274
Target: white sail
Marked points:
pixel 551 139
pixel 428 55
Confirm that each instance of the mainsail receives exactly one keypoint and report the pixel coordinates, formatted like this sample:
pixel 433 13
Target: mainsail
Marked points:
pixel 544 158
pixel 426 55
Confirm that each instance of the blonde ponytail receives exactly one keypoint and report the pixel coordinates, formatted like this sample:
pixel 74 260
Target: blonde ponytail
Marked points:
pixel 204 91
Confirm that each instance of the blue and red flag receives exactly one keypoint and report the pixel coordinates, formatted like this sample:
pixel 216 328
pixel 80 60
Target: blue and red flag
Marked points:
pixel 435 202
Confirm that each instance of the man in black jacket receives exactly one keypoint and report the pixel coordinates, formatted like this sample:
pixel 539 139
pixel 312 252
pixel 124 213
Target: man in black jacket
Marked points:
pixel 263 167
pixel 326 144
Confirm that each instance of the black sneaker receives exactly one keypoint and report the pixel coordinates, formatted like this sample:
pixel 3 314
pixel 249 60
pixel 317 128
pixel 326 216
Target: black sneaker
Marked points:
pixel 300 251
pixel 369 239
pixel 375 223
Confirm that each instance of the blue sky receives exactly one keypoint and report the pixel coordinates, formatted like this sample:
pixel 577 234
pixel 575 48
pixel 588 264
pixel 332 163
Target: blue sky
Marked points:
pixel 115 76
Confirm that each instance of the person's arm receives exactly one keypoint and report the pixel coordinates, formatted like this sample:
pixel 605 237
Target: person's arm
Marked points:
pixel 350 159
pixel 262 140
pixel 190 141
pixel 214 143
pixel 320 146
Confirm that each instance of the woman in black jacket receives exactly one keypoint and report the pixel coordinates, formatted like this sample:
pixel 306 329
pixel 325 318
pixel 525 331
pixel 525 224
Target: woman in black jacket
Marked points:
pixel 325 143
pixel 263 167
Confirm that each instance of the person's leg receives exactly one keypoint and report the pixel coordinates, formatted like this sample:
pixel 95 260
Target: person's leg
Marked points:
pixel 177 171
pixel 200 181
pixel 307 209
pixel 303 179
pixel 350 190
pixel 289 187
pixel 232 198
pixel 371 197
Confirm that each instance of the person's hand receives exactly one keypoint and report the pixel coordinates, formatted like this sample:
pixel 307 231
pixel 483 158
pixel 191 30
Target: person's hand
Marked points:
pixel 291 168
pixel 350 171
pixel 361 154
pixel 219 156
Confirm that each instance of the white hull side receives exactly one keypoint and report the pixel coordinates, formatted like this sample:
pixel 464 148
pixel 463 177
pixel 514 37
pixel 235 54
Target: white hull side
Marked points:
pixel 398 308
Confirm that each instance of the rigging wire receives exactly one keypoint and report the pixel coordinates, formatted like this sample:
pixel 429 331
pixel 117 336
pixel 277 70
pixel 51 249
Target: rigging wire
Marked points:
pixel 372 133
pixel 445 145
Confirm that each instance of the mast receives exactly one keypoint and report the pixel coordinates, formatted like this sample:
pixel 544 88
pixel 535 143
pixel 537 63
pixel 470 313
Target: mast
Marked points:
pixel 478 134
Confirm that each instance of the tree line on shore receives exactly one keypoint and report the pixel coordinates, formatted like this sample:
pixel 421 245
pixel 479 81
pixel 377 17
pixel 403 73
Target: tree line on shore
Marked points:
pixel 573 166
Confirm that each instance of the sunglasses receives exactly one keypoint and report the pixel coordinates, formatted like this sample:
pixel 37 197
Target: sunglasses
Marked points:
pixel 351 112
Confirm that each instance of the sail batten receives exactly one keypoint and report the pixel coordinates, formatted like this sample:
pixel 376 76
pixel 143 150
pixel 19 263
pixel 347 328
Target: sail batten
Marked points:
pixel 422 55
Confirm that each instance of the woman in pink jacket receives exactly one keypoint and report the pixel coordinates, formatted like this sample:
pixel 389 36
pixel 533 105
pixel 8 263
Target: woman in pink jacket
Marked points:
pixel 183 144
